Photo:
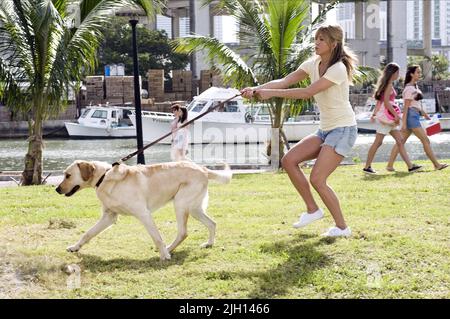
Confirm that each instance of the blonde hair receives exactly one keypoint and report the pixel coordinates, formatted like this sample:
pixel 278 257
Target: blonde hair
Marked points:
pixel 334 34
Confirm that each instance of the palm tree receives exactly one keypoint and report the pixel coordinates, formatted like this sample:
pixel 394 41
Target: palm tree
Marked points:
pixel 42 52
pixel 277 33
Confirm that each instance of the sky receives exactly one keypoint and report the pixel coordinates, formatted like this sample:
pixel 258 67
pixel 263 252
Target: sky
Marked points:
pixel 229 27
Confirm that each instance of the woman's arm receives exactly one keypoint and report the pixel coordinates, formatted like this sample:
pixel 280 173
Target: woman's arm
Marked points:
pixel 377 108
pixel 406 105
pixel 375 111
pixel 290 79
pixel 425 114
pixel 305 93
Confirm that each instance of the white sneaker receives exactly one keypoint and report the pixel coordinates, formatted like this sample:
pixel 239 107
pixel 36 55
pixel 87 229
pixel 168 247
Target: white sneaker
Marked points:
pixel 337 232
pixel 306 218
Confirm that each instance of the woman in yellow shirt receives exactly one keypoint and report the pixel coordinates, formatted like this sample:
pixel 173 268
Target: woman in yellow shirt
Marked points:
pixel 330 71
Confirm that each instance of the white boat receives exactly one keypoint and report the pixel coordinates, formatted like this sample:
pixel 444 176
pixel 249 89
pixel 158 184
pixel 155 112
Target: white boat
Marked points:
pixel 295 128
pixel 364 124
pixel 103 122
pixel 231 123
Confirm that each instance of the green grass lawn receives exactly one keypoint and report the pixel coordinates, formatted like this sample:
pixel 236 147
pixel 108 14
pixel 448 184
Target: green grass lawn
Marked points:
pixel 399 248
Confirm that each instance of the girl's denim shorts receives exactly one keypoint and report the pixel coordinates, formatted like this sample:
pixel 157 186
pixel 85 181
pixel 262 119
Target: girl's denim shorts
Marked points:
pixel 341 139
pixel 413 119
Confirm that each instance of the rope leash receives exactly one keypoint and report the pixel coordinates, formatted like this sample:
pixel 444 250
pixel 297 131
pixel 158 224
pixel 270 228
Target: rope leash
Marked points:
pixel 210 109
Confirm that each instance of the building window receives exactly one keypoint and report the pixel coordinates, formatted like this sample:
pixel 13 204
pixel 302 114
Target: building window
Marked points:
pixel 184 27
pixel 164 23
pixel 226 29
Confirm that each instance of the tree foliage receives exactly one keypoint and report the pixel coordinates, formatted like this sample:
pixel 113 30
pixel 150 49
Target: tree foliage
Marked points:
pixel 154 50
pixel 439 65
pixel 42 52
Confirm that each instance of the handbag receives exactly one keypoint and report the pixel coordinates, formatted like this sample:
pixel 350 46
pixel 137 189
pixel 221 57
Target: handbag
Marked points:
pixel 384 116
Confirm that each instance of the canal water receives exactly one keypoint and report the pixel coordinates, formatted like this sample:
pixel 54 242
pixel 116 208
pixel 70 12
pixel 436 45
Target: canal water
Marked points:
pixel 59 153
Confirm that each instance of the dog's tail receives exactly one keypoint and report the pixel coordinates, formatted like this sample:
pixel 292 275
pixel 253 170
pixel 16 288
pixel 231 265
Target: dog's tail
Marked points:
pixel 223 176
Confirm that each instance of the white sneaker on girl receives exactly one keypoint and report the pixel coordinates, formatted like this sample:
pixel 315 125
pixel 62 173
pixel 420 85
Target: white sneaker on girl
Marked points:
pixel 337 232
pixel 307 218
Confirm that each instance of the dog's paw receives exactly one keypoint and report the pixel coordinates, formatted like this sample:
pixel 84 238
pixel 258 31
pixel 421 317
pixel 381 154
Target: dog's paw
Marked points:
pixel 165 257
pixel 206 245
pixel 73 249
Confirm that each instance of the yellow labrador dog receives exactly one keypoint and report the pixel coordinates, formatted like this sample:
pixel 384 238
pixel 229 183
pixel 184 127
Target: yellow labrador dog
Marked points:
pixel 140 190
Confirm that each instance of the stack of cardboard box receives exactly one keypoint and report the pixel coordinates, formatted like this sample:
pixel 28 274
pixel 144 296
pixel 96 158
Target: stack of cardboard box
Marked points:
pixel 156 84
pixel 94 89
pixel 120 89
pixel 209 78
pixel 182 84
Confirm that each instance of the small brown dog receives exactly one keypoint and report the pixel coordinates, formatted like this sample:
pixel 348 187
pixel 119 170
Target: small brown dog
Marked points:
pixel 141 190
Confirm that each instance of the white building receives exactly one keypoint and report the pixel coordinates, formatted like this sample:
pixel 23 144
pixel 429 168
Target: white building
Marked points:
pixel 440 15
pixel 225 29
pixel 164 23
pixel 407 26
pixel 345 16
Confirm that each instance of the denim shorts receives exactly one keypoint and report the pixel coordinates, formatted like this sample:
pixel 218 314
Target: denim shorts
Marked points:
pixel 413 119
pixel 341 139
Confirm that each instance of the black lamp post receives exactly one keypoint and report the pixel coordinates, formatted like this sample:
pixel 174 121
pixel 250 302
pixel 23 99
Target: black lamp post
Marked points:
pixel 388 38
pixel 137 95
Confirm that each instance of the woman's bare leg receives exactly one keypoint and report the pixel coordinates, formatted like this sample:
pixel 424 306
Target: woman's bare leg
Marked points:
pixel 394 151
pixel 401 147
pixel 307 149
pixel 422 136
pixel 178 155
pixel 327 161
pixel 373 149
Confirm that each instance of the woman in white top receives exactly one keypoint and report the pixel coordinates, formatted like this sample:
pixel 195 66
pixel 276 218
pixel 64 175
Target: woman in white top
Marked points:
pixel 412 110
pixel 330 71
pixel 180 138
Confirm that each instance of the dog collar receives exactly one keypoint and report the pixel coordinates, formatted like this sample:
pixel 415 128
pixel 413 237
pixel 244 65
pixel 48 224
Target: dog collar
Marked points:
pixel 100 180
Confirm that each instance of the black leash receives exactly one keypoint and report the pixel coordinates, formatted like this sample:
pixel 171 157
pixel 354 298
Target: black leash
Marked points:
pixel 211 108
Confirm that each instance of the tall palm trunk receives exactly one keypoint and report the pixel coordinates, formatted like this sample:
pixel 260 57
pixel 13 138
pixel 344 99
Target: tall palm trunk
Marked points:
pixel 277 126
pixel 32 173
pixel 193 58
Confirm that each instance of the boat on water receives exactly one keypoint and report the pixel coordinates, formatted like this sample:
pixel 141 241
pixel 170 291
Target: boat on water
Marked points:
pixel 234 122
pixel 103 121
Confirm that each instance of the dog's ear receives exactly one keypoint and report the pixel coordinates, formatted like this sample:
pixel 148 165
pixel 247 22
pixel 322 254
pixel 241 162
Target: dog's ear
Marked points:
pixel 86 170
